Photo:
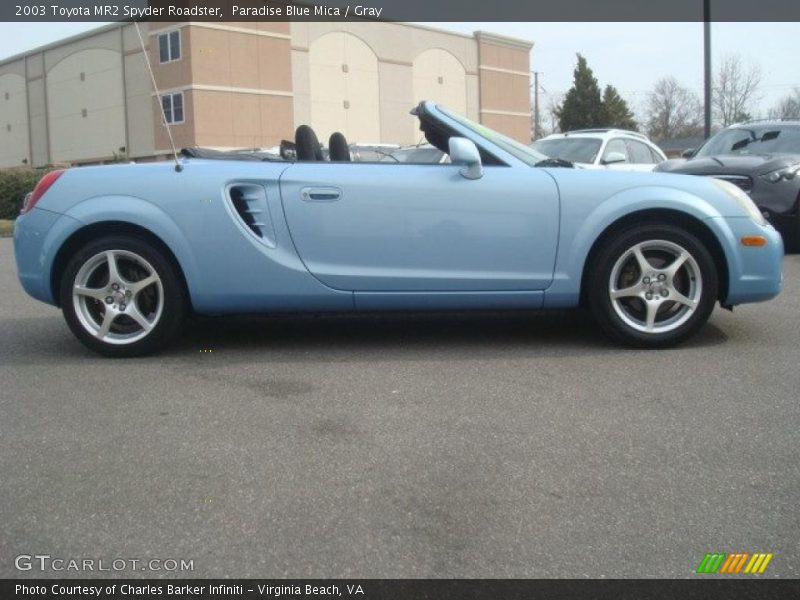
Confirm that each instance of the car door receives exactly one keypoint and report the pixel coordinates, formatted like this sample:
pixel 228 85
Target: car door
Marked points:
pixel 387 227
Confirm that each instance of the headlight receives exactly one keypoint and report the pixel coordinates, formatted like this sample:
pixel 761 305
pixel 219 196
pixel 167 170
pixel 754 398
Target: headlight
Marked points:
pixel 742 199
pixel 784 174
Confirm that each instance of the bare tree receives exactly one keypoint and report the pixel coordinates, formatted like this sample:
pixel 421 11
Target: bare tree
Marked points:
pixel 788 107
pixel 672 111
pixel 552 110
pixel 735 89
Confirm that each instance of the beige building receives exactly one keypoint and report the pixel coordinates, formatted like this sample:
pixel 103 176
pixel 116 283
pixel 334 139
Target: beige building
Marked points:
pixel 233 85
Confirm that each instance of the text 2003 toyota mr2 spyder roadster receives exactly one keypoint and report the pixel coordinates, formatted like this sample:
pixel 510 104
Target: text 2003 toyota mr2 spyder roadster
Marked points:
pixel 127 251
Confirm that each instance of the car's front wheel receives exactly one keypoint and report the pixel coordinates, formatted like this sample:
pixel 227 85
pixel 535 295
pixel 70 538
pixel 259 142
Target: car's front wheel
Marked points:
pixel 653 286
pixel 121 296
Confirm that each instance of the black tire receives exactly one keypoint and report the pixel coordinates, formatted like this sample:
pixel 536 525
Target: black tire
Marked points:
pixel 686 319
pixel 165 300
pixel 791 237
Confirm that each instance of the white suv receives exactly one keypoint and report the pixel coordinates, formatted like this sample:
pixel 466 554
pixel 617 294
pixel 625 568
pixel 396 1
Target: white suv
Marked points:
pixel 603 149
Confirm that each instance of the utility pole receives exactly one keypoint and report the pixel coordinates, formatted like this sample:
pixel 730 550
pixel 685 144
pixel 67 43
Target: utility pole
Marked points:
pixel 707 64
pixel 536 126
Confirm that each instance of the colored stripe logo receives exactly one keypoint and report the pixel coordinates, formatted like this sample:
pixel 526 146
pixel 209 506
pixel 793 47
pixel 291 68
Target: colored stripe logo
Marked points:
pixel 734 563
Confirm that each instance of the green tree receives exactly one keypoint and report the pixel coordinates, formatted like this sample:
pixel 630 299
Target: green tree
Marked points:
pixel 582 107
pixel 14 184
pixel 615 110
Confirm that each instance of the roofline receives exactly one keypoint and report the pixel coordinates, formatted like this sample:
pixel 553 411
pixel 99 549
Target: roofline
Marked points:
pixel 434 29
pixel 606 130
pixel 477 35
pixel 764 122
pixel 600 131
pixel 67 40
pixel 503 39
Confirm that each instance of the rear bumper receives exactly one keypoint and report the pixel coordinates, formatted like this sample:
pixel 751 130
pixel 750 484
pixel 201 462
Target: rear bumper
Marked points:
pixel 755 274
pixel 37 237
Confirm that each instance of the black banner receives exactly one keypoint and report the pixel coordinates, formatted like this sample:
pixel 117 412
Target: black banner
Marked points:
pixel 739 588
pixel 400 10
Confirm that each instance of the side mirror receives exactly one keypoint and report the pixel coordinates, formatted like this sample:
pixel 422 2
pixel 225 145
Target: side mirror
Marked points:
pixel 688 153
pixel 614 157
pixel 465 152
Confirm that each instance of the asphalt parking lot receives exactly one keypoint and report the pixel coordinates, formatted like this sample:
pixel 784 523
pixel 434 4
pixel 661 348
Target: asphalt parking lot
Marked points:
pixel 426 446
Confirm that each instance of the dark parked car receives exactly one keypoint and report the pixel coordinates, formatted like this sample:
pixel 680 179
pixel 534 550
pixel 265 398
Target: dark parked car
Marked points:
pixel 763 159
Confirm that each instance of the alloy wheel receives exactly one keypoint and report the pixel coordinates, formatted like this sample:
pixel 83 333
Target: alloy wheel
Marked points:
pixel 118 297
pixel 655 286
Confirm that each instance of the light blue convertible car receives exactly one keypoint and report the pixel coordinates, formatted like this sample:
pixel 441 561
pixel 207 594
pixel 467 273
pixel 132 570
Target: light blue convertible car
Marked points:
pixel 128 251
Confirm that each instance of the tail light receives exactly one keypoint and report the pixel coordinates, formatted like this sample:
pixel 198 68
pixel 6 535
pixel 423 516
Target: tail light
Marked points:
pixel 44 184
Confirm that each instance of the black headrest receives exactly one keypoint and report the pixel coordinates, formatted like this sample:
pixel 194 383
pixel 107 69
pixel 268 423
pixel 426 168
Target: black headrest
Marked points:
pixel 307 144
pixel 338 149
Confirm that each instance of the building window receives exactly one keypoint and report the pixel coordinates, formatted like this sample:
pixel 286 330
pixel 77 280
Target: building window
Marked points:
pixel 173 107
pixel 169 46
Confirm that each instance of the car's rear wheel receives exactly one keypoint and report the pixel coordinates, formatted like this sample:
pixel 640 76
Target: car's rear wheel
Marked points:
pixel 652 286
pixel 121 297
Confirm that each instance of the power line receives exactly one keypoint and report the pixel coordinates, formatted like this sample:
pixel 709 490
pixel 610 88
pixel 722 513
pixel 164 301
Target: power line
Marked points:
pixel 771 86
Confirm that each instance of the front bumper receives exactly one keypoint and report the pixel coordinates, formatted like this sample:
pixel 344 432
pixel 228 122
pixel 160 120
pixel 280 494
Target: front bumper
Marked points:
pixel 755 274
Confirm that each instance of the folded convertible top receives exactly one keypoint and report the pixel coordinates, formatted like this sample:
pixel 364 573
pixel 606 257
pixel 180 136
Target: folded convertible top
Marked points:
pixel 211 154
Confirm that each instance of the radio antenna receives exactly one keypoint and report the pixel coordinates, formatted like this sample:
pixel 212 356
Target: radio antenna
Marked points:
pixel 178 165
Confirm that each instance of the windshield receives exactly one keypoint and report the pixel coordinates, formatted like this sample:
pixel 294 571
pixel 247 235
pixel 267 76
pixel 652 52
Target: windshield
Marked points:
pixel 577 150
pixel 527 155
pixel 748 141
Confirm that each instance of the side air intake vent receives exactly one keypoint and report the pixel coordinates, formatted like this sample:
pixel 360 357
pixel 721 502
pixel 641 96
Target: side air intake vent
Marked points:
pixel 249 202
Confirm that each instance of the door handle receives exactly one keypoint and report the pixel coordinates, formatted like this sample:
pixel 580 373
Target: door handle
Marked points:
pixel 320 194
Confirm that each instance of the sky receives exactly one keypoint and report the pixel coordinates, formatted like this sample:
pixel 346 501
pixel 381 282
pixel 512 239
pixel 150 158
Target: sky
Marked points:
pixel 630 56
pixel 633 56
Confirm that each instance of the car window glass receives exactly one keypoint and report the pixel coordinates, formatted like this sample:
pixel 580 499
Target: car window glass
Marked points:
pixel 519 151
pixel 616 145
pixel 745 140
pixel 639 153
pixel 722 142
pixel 787 140
pixel 573 149
pixel 657 158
